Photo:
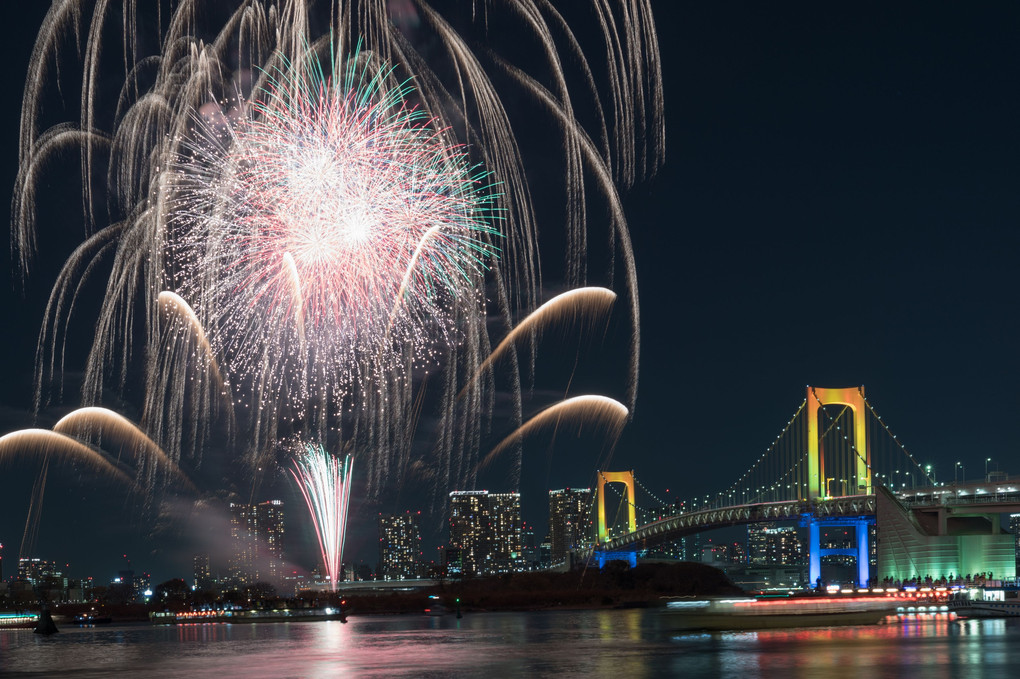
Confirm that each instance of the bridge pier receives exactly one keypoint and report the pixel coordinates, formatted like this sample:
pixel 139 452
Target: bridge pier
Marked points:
pixel 603 557
pixel 862 552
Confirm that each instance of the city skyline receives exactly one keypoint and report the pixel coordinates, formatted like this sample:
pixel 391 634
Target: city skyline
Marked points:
pixel 837 208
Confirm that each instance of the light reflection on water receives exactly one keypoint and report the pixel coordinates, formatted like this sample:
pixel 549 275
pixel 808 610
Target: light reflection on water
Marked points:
pixel 563 644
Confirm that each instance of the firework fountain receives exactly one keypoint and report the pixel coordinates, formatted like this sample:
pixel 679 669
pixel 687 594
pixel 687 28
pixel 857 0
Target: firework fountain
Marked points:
pixel 325 484
pixel 295 230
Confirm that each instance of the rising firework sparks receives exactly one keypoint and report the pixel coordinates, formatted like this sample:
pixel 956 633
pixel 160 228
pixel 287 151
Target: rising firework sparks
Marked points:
pixel 325 483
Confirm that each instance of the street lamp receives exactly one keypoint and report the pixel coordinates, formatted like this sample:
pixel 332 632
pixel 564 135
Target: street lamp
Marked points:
pixel 987 460
pixel 963 472
pixel 928 472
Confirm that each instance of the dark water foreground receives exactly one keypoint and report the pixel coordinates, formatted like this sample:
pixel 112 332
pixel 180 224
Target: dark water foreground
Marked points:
pixel 619 644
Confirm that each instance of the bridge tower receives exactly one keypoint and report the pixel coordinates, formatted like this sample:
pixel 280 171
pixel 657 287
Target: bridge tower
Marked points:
pixel 852 397
pixel 626 478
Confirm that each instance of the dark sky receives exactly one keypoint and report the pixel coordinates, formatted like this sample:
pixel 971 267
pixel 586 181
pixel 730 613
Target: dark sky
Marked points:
pixel 838 207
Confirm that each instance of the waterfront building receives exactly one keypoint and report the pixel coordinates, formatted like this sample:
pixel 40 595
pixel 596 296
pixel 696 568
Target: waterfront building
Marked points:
pixel 453 562
pixel 570 527
pixel 738 555
pixel 1014 527
pixel 936 543
pixel 545 552
pixel 142 584
pixel 43 578
pixel 715 554
pixel 486 528
pixel 530 552
pixel 400 555
pixel 690 547
pixel 36 570
pixel 675 549
pixel 256 532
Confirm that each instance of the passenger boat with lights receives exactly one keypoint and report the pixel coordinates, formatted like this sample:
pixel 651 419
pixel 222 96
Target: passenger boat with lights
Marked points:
pixel 242 616
pixel 88 619
pixel 746 613
pixel 18 620
pixel 985 602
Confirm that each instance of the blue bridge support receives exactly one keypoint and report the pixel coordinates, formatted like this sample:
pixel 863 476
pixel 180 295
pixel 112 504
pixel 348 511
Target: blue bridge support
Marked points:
pixel 603 557
pixel 860 525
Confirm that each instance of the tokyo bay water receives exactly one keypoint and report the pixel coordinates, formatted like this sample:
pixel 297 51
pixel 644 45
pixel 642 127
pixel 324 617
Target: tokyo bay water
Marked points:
pixel 603 643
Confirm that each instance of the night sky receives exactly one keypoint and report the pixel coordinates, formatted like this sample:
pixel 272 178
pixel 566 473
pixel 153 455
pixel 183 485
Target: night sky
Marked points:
pixel 838 207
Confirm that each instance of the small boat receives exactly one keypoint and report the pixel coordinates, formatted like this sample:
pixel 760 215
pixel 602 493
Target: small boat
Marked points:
pixel 746 613
pixel 86 619
pixel 435 606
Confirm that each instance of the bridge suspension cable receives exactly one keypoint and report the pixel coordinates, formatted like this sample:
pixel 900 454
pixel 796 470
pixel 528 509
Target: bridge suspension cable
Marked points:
pixel 889 476
pixel 780 473
pixel 752 484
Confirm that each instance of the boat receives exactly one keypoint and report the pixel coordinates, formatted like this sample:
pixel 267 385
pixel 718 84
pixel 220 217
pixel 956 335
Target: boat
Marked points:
pixel 985 603
pixel 18 620
pixel 747 613
pixel 435 606
pixel 85 619
pixel 243 616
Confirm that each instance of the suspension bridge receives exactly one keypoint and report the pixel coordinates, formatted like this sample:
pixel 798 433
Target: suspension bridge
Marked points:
pixel 836 463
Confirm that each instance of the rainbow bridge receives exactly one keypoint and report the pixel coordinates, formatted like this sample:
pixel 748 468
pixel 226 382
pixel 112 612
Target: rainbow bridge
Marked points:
pixel 824 471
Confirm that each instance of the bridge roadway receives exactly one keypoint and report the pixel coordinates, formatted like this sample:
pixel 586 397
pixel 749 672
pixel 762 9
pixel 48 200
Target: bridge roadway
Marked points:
pixel 688 523
pixel 991 496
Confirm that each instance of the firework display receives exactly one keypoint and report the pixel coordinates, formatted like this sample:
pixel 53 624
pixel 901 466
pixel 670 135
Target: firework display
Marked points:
pixel 319 221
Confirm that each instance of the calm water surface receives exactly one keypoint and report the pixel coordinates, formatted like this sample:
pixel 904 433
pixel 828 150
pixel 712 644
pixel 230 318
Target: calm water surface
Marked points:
pixel 618 644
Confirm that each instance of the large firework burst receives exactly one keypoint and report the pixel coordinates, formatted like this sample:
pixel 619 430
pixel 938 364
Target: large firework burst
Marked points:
pixel 331 233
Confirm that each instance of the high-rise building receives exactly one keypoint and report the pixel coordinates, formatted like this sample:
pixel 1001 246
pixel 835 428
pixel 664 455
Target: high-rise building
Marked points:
pixel 507 551
pixel 202 572
pixel 757 542
pixel 400 555
pixel 486 528
pixel 570 527
pixel 257 535
pixel 784 546
pixel 769 545
pixel 468 513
